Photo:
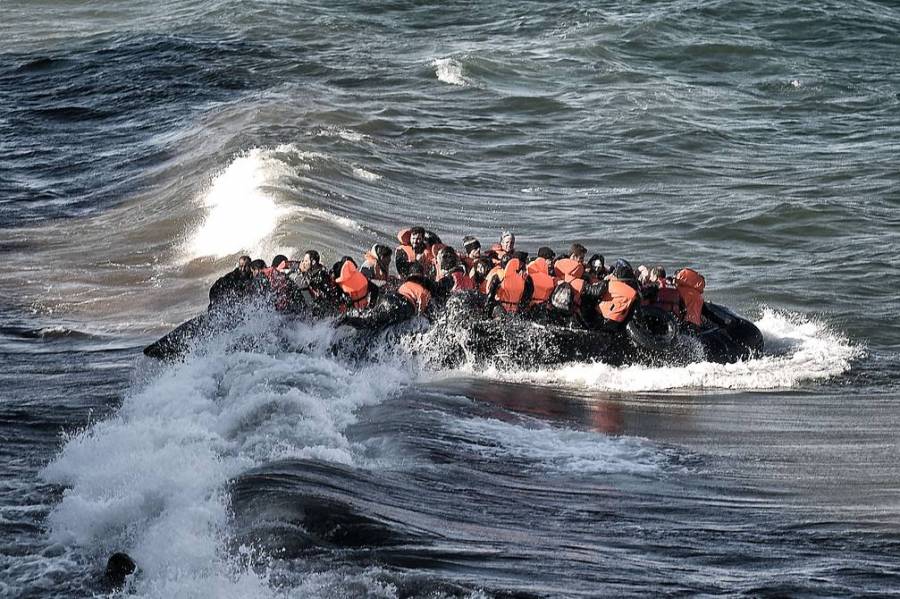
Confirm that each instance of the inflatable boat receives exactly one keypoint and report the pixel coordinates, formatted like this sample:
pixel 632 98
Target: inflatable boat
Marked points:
pixel 460 333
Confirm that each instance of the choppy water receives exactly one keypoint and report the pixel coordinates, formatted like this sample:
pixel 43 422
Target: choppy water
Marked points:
pixel 143 146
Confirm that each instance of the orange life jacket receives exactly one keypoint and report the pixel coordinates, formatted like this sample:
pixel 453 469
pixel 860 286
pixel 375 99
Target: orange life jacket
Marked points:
pixel 539 265
pixel 690 286
pixel 427 258
pixel 512 286
pixel 544 284
pixel 416 294
pixel 354 284
pixel 617 301
pixel 568 269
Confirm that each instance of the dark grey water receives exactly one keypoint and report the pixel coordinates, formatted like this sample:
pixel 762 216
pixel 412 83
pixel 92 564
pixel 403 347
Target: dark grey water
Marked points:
pixel 143 146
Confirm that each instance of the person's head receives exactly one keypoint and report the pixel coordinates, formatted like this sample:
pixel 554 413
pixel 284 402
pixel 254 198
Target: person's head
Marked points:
pixel 417 239
pixel 415 270
pixel 277 260
pixel 481 269
pixel 310 260
pixel 447 259
pixel 243 265
pixel 577 252
pixel 472 247
pixel 643 274
pixel 382 255
pixel 622 270
pixel 546 253
pixel 382 252
pixel 595 264
pixel 507 242
pixel 522 257
pixel 337 266
pixel 431 238
pixel 256 266
pixel 657 273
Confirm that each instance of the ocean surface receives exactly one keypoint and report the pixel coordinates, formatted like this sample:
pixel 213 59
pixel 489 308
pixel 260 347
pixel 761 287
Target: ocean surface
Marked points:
pixel 145 145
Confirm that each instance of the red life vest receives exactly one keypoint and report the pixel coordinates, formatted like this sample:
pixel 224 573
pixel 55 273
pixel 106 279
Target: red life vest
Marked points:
pixel 467 262
pixel 617 301
pixel 462 281
pixel 690 286
pixel 416 294
pixel 278 284
pixel 354 284
pixel 667 298
pixel 512 286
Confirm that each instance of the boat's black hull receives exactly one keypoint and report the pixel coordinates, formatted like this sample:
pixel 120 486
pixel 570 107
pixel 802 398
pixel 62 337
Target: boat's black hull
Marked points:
pixel 650 338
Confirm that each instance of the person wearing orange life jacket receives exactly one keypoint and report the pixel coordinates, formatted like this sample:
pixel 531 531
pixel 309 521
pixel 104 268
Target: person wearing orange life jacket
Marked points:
pixel 571 271
pixel 412 298
pixel 690 285
pixel 413 248
pixel 358 290
pixel 610 304
pixel 511 290
pixel 539 271
pixel 417 289
pixel 452 275
pixel 377 265
pixel 506 247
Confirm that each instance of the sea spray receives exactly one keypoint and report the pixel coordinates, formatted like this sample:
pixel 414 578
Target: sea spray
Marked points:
pixel 152 479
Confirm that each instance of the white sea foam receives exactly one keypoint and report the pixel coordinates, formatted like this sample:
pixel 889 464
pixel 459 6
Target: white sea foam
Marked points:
pixel 242 208
pixel 242 204
pixel 151 480
pixel 449 70
pixel 365 175
pixel 798 350
pixel 560 449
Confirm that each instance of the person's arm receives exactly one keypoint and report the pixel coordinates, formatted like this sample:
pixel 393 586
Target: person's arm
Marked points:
pixel 491 302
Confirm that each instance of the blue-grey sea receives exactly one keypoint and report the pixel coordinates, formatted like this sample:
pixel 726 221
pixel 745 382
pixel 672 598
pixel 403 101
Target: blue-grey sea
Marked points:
pixel 145 145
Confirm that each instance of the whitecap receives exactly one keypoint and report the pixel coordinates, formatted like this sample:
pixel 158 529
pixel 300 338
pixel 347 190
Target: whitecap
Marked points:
pixel 449 70
pixel 365 175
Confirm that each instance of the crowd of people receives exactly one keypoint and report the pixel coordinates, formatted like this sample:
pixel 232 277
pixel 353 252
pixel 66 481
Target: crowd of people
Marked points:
pixel 570 288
